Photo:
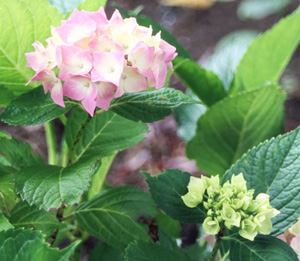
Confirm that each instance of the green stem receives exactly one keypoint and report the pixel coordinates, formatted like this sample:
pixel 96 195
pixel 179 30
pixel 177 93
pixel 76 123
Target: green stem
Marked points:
pixel 51 143
pixel 217 245
pixel 64 153
pixel 99 177
pixel 63 119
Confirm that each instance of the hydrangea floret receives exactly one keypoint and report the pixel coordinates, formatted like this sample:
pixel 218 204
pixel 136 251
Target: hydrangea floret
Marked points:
pixel 231 205
pixel 99 58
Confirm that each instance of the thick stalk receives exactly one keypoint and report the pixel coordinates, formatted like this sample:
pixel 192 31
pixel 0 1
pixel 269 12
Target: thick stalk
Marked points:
pixel 217 245
pixel 99 177
pixel 51 143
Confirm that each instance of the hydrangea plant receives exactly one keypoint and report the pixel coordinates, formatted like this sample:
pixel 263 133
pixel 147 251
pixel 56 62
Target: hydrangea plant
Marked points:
pixel 104 79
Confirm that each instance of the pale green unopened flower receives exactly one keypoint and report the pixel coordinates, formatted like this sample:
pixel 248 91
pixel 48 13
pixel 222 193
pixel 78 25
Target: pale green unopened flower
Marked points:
pixel 211 226
pixel 230 217
pixel 231 205
pixel 196 190
pixel 248 229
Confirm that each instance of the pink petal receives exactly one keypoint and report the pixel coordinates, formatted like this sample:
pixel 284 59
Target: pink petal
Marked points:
pixel 169 51
pixel 57 94
pixel 52 84
pixel 105 93
pixel 108 67
pixel 37 60
pixel 131 81
pixel 89 101
pixel 76 87
pixel 160 70
pixel 74 62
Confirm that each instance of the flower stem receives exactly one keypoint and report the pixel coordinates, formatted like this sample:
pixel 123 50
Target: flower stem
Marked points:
pixel 217 245
pixel 51 143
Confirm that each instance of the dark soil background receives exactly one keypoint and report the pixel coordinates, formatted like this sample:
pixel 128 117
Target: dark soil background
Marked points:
pixel 199 31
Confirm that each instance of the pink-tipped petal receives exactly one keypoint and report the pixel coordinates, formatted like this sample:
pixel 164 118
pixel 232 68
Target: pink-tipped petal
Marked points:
pixel 74 62
pixel 57 94
pixel 142 58
pixel 108 67
pixel 89 101
pixel 103 43
pixel 105 93
pixel 71 33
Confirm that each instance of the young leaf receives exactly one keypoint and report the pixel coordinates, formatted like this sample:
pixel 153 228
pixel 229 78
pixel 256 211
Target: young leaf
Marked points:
pixel 29 245
pixel 150 106
pixel 49 186
pixel 234 125
pixel 7 192
pixel 273 167
pixel 111 215
pixel 268 54
pixel 166 190
pixel 17 154
pixel 143 251
pixel 33 107
pixel 105 133
pixel 228 53
pixel 27 216
pixel 263 248
pixel 186 118
pixel 67 6
pixel 205 84
pixel 257 9
pixel 22 23
pixel 104 252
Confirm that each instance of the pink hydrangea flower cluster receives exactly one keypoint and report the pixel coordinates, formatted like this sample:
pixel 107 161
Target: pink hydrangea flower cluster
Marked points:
pixel 99 59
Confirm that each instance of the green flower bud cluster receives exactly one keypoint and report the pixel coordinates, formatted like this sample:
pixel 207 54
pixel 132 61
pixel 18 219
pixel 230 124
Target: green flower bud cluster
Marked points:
pixel 231 205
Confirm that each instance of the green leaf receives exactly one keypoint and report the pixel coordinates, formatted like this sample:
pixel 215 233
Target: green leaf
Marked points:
pixel 143 251
pixel 205 84
pixel 166 190
pixel 228 53
pixel 229 128
pixel 34 107
pixel 168 225
pixel 6 96
pixel 146 21
pixel 150 106
pixel 24 215
pixel 48 186
pixel 4 223
pixel 17 154
pixel 103 252
pixel 186 118
pixel 257 9
pixel 111 215
pixel 22 23
pixel 7 192
pixel 268 54
pixel 264 248
pixel 273 168
pixel 29 245
pixel 104 134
